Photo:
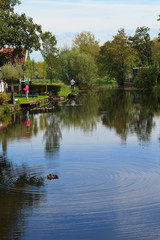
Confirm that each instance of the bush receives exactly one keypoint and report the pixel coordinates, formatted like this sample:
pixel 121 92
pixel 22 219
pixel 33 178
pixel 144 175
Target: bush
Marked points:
pixel 6 108
pixel 146 78
pixel 4 98
pixel 107 80
pixel 42 89
pixel 11 72
pixel 79 66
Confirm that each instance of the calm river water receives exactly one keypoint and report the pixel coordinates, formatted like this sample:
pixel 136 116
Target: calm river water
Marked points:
pixel 105 148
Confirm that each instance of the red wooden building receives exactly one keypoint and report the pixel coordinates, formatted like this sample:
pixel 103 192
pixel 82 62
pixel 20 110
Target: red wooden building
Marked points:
pixel 12 57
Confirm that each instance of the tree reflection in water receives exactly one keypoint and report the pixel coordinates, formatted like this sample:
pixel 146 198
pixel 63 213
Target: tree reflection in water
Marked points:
pixel 84 115
pixel 16 198
pixel 125 112
pixel 52 135
pixel 129 112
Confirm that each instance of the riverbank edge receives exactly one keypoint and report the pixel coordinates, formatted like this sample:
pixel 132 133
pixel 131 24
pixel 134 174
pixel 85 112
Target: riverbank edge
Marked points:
pixel 16 107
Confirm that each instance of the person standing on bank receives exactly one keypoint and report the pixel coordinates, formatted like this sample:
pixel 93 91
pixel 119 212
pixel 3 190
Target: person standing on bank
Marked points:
pixel 72 83
pixel 26 90
pixel 6 86
pixel 2 86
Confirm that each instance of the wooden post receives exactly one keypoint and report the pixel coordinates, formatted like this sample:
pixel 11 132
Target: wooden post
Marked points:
pixel 12 98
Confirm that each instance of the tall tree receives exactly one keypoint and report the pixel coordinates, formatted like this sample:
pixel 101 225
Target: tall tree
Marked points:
pixel 156 51
pixel 85 42
pixel 142 43
pixel 11 72
pixel 117 57
pixel 35 69
pixel 48 44
pixel 50 54
pixel 159 33
pixel 41 69
pixel 78 65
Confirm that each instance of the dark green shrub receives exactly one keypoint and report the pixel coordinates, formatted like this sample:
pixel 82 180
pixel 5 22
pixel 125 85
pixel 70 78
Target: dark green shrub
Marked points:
pixel 54 89
pixel 4 98
pixel 42 89
pixel 107 80
pixel 146 77
pixel 6 108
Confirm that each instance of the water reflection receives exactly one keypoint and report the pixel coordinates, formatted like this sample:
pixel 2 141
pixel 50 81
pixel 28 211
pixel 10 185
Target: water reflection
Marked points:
pixel 129 112
pixel 27 119
pixel 105 189
pixel 124 111
pixel 84 115
pixel 16 185
pixel 52 135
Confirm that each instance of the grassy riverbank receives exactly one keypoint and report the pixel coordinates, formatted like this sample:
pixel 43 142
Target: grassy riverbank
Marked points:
pixel 64 91
pixel 19 98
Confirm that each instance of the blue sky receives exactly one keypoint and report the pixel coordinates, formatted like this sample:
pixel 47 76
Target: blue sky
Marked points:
pixel 66 18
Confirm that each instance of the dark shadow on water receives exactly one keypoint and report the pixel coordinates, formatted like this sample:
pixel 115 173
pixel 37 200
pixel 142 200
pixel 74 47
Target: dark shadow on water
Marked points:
pixel 19 191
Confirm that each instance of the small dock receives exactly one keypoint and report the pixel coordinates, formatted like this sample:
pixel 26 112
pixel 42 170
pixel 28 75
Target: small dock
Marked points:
pixel 30 104
pixel 59 98
pixel 37 102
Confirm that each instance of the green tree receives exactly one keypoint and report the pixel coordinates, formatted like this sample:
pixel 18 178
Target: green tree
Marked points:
pixel 85 42
pixel 41 67
pixel 12 72
pixel 79 66
pixel 156 51
pixel 49 43
pixel 8 5
pixel 159 33
pixel 17 31
pixel 33 69
pixel 142 43
pixel 30 69
pixel 117 57
pixel 50 54
pixel 146 77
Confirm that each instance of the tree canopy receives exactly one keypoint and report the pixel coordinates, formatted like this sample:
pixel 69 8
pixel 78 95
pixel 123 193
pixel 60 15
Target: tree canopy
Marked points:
pixel 8 5
pixel 142 43
pixel 85 42
pixel 11 72
pixel 78 65
pixel 117 57
pixel 50 54
pixel 159 33
pixel 156 51
pixel 17 31
pixel 48 44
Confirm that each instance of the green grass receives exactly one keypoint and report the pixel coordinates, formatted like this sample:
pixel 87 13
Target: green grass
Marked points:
pixel 23 98
pixel 65 90
pixel 106 81
pixel 46 81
